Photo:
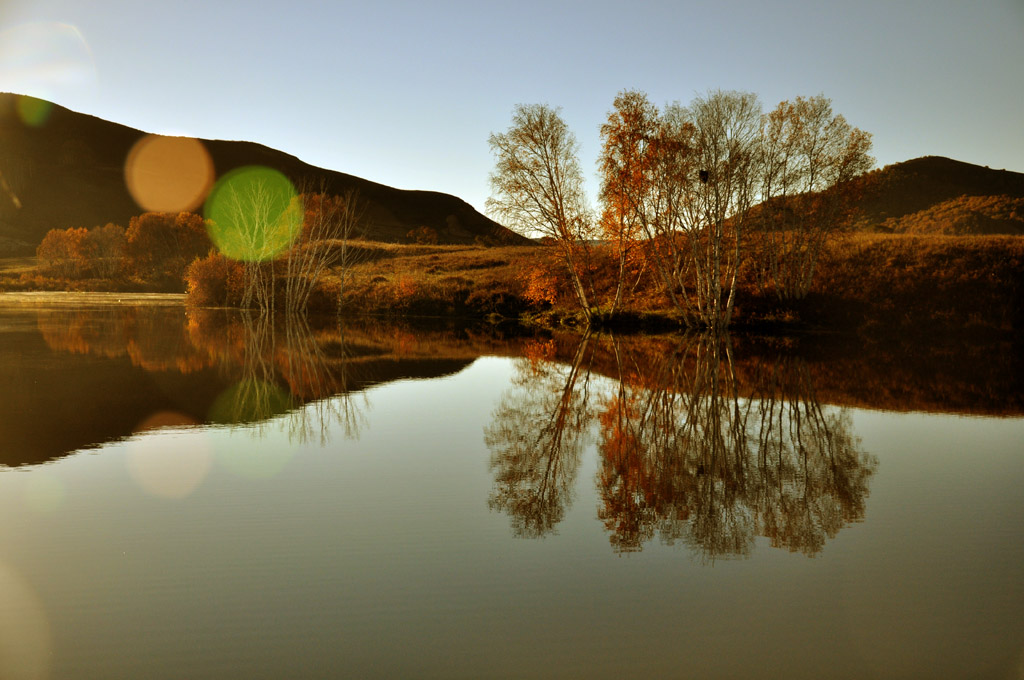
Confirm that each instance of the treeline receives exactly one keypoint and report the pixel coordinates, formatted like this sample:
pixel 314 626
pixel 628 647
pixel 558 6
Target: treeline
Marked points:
pixel 267 250
pixel 155 249
pixel 678 191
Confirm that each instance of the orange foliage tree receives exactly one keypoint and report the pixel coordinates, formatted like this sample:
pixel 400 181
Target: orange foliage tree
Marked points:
pixel 213 281
pixel 161 245
pixel 626 178
pixel 103 250
pixel 79 252
pixel 60 251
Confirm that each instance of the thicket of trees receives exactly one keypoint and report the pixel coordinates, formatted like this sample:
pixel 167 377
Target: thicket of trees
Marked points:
pixel 284 254
pixel 155 247
pixel 691 191
pixel 274 259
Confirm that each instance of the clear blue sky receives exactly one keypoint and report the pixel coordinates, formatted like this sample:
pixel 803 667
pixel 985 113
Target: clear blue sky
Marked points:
pixel 406 93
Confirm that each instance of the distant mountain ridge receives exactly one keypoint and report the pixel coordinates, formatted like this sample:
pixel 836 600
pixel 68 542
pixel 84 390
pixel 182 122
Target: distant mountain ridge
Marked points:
pixel 939 195
pixel 67 169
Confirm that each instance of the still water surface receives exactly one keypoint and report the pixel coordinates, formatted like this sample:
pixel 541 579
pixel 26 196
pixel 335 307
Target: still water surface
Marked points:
pixel 200 495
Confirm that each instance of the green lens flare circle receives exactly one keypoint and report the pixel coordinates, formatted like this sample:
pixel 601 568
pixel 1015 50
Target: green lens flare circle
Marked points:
pixel 254 214
pixel 32 111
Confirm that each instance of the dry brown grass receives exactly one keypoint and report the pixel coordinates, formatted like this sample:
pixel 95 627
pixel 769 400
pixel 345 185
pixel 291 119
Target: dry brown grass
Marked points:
pixel 925 281
pixel 866 282
pixel 873 283
pixel 436 280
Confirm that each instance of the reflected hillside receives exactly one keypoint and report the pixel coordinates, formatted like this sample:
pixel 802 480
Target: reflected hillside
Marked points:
pixel 76 378
pixel 79 378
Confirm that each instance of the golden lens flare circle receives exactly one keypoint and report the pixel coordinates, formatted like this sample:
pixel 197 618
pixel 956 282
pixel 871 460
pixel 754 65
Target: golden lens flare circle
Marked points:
pixel 168 174
pixel 168 464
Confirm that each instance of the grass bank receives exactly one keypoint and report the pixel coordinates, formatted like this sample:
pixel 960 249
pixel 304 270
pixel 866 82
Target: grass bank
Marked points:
pixel 871 284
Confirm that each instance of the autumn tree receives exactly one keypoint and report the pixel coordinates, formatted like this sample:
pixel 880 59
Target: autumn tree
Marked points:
pixel 628 138
pixel 60 251
pixel 282 244
pixel 161 245
pixel 718 195
pixel 537 189
pixel 807 156
pixel 256 218
pixel 213 281
pixel 103 249
pixel 329 223
pixel 685 178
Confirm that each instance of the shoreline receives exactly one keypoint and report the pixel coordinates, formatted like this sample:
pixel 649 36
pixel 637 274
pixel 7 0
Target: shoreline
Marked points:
pixel 76 298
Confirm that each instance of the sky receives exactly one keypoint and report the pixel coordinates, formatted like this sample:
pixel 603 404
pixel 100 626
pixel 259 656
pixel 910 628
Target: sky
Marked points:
pixel 407 93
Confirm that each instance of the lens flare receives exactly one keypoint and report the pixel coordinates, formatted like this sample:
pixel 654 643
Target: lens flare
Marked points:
pixel 167 464
pixel 25 639
pixel 33 112
pixel 168 174
pixel 249 401
pixel 252 401
pixel 47 60
pixel 255 214
pixel 44 493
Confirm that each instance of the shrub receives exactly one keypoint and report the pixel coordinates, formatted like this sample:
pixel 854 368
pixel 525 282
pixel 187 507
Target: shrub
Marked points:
pixel 61 252
pixel 423 235
pixel 161 245
pixel 213 280
pixel 103 250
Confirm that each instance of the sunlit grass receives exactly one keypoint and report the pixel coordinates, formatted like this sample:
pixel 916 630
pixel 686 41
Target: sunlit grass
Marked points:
pixel 862 282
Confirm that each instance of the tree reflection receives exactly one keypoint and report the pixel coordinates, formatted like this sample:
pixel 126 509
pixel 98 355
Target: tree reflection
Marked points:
pixel 319 371
pixel 279 367
pixel 683 472
pixel 692 453
pixel 691 449
pixel 537 437
pixel 152 338
pixel 813 476
pixel 286 369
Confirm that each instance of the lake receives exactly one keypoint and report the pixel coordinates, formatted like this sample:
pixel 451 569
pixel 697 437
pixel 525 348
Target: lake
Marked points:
pixel 202 494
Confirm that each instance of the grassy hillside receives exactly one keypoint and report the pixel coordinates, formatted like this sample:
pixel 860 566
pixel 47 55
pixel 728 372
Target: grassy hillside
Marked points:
pixel 64 169
pixel 939 195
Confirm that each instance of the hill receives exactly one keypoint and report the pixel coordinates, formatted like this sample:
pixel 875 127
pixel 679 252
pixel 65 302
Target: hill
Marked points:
pixel 60 169
pixel 935 195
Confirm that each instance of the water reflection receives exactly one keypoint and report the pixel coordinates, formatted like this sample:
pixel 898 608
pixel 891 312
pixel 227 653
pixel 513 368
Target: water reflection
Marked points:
pixel 698 441
pixel 537 437
pixel 107 373
pixel 159 550
pixel 688 451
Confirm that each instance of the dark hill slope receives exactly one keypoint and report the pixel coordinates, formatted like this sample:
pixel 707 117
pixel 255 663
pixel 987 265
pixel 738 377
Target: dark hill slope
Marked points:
pixel 69 171
pixel 940 195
